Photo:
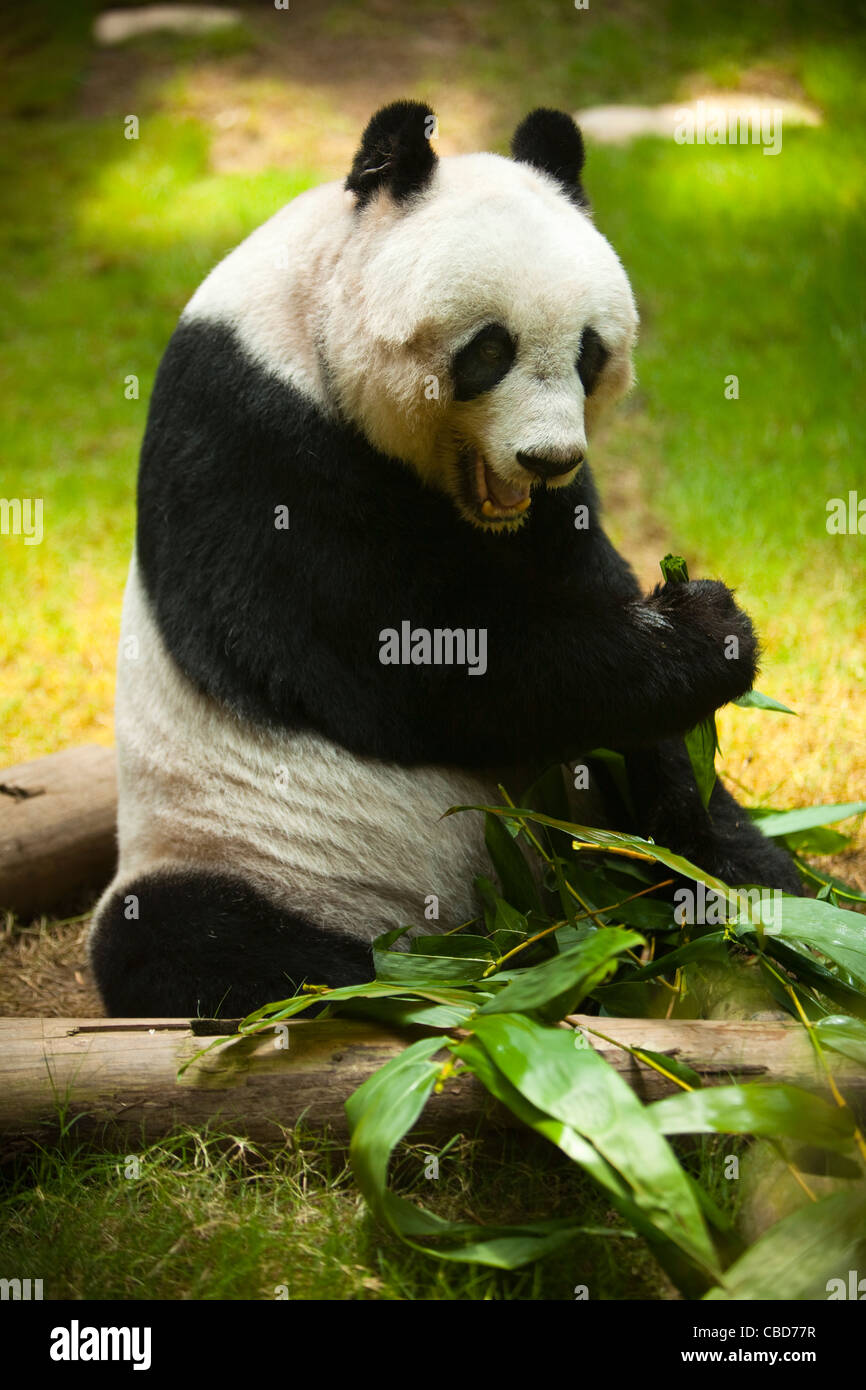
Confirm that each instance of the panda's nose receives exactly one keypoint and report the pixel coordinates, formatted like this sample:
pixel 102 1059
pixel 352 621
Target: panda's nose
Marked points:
pixel 550 465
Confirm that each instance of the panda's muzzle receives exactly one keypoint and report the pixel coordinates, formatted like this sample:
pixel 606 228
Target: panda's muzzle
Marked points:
pixel 494 499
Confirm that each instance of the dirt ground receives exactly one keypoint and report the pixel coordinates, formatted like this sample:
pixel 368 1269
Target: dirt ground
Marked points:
pixel 44 971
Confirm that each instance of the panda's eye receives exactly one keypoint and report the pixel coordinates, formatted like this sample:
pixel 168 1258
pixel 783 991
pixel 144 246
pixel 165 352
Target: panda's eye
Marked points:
pixel 483 362
pixel 491 351
pixel 590 359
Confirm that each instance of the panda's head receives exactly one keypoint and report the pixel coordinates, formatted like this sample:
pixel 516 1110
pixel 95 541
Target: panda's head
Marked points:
pixel 476 322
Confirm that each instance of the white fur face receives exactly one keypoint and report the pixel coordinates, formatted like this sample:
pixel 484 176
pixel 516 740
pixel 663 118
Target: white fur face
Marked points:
pixel 491 248
pixel 365 311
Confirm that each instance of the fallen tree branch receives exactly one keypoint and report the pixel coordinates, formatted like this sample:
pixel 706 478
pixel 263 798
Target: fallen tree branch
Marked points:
pixel 57 830
pixel 113 1079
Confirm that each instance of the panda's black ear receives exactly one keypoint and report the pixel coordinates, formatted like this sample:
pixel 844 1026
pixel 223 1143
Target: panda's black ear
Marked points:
pixel 395 152
pixel 550 141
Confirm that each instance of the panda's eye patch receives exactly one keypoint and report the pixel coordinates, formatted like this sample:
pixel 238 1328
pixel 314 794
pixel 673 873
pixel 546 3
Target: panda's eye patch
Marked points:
pixel 483 362
pixel 591 359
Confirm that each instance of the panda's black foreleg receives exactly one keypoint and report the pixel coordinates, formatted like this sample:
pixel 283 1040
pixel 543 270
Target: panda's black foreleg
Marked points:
pixel 721 839
pixel 189 943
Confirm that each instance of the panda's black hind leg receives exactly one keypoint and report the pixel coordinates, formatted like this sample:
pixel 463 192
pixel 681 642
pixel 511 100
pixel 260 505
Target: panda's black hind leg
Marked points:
pixel 188 943
pixel 723 840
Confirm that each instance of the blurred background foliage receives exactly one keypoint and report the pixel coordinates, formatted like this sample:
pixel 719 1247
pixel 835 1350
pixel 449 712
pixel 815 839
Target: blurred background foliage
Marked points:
pixel 741 264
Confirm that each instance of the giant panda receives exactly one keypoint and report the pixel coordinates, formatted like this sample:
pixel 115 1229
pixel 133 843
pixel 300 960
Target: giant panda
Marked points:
pixel 370 579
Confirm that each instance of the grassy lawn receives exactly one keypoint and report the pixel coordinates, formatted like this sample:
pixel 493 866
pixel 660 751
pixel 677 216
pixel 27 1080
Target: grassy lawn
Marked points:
pixel 208 1217
pixel 742 264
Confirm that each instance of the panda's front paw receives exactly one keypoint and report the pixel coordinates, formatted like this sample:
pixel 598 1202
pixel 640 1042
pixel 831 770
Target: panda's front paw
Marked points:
pixel 728 645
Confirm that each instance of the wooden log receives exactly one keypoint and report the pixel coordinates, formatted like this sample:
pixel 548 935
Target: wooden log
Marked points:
pixel 57 830
pixel 117 1079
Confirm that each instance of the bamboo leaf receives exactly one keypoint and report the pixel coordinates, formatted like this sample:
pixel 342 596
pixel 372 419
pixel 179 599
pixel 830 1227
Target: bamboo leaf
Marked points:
pixel 845 1035
pixel 702 744
pixel 380 1113
pixel 384 1107
pixel 376 989
pixel 402 1012
pixel 419 968
pixel 574 1085
pixel 768 1111
pixel 515 875
pixel 753 699
pixel 679 1266
pixel 840 888
pixel 820 840
pixel 646 915
pixel 406 968
pixel 663 1062
pixel 508 919
pixel 807 817
pixel 606 839
pixel 810 971
pixel 564 980
pixel 709 947
pixel 797 1258
pixel 456 946
pixel 836 932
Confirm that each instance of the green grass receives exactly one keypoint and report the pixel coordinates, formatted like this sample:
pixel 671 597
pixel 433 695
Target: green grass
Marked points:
pixel 209 1217
pixel 746 481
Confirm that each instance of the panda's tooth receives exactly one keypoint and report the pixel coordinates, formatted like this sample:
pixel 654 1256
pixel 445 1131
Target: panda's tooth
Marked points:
pixel 499 513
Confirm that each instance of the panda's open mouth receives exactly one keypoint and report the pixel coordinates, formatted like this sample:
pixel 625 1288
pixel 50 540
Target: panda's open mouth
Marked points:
pixel 494 499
